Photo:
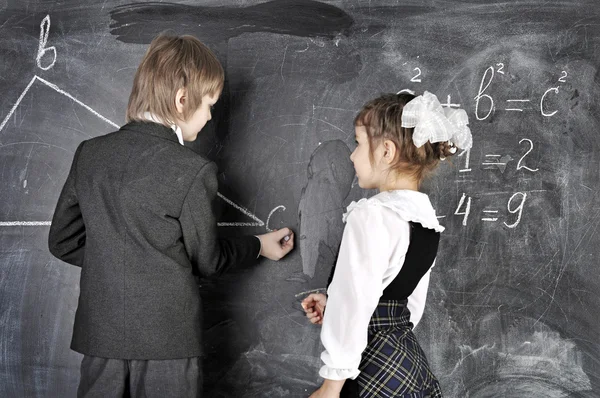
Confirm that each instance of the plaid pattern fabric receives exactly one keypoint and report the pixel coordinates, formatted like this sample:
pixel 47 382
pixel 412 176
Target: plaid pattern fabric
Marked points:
pixel 393 364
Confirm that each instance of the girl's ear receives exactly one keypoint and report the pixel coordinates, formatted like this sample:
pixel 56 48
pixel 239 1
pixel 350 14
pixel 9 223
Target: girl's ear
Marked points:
pixel 180 99
pixel 389 151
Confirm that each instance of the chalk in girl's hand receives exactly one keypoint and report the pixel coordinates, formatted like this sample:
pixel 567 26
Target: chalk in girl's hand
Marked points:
pixel 286 238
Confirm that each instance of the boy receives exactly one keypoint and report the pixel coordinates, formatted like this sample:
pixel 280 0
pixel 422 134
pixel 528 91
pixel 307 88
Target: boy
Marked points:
pixel 136 215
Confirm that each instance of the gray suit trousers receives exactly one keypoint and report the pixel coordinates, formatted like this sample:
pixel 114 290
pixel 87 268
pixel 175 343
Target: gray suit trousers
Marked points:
pixel 107 378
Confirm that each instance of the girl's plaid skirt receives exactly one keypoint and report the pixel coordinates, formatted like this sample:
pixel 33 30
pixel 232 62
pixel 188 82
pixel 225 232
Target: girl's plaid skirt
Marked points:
pixel 393 364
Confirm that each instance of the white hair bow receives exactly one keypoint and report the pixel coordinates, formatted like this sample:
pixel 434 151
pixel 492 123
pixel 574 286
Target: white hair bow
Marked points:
pixel 434 123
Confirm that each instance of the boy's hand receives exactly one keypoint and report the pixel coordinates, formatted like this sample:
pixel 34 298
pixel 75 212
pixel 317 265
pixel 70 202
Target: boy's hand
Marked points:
pixel 314 306
pixel 276 244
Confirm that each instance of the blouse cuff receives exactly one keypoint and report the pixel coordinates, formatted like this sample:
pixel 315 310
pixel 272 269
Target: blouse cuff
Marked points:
pixel 338 374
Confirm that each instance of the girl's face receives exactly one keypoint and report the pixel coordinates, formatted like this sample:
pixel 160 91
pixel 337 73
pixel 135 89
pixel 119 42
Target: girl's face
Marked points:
pixel 369 175
pixel 191 127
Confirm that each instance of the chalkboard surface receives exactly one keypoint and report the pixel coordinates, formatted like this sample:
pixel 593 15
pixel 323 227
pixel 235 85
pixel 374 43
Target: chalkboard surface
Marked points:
pixel 513 303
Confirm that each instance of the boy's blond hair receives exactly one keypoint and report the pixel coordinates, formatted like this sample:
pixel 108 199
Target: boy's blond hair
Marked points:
pixel 174 62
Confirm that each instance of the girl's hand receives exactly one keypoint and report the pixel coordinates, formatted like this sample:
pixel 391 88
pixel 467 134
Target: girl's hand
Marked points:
pixel 329 389
pixel 320 393
pixel 314 307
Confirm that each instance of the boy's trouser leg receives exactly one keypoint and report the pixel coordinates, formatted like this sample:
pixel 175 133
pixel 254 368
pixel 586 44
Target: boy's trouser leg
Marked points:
pixel 102 377
pixel 166 378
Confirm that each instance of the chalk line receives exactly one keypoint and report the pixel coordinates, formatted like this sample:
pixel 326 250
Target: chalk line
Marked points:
pixel 24 223
pixel 258 222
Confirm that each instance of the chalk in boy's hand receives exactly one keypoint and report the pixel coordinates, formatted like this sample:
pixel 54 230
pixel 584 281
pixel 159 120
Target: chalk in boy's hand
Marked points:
pixel 277 244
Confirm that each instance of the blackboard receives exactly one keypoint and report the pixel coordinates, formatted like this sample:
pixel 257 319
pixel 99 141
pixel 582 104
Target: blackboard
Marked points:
pixel 512 306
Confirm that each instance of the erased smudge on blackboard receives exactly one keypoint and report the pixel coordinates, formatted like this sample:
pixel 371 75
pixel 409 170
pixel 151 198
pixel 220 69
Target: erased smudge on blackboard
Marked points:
pixel 139 22
pixel 330 174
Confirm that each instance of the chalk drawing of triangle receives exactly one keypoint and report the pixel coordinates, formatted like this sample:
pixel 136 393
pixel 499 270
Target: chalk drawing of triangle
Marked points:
pixel 255 221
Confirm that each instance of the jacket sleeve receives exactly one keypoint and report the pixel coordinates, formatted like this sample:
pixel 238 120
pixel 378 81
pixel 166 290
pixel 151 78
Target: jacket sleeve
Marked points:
pixel 66 239
pixel 210 254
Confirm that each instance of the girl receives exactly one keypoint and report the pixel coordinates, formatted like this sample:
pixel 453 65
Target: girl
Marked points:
pixel 379 284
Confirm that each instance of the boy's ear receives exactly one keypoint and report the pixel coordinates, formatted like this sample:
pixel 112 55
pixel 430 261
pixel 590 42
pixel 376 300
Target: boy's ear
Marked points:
pixel 180 99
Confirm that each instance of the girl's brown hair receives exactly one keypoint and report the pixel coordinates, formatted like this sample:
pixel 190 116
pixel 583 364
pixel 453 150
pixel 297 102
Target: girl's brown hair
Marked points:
pixel 172 63
pixel 382 118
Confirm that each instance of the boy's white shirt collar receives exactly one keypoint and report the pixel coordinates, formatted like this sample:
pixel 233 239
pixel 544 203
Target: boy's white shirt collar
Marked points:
pixel 176 129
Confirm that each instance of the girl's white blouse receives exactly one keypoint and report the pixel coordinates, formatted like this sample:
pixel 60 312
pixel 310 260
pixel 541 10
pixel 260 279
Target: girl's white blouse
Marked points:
pixel 372 252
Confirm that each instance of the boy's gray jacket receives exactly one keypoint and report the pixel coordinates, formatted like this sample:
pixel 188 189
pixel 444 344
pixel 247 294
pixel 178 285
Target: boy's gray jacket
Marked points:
pixel 136 215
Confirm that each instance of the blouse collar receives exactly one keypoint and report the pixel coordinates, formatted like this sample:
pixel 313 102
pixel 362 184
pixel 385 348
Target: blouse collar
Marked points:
pixel 409 205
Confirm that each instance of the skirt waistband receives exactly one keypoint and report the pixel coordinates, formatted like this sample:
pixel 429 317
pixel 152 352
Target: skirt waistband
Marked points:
pixel 390 315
